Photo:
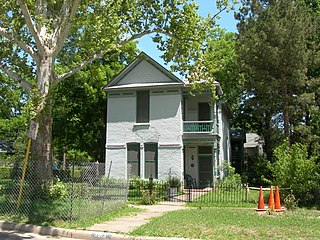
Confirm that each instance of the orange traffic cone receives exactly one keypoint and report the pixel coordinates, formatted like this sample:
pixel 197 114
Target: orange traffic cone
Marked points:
pixel 277 199
pixel 271 199
pixel 261 201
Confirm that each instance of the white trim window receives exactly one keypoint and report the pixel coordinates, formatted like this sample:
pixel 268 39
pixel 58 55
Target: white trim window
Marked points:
pixel 151 160
pixel 133 159
pixel 143 107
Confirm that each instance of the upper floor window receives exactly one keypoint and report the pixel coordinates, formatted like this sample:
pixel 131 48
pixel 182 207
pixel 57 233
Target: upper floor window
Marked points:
pixel 143 99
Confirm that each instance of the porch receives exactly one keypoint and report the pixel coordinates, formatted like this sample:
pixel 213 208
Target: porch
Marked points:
pixel 200 164
pixel 200 135
pixel 199 127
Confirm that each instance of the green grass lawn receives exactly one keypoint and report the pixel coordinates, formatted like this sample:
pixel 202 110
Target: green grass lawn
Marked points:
pixel 80 213
pixel 86 206
pixel 234 223
pixel 105 217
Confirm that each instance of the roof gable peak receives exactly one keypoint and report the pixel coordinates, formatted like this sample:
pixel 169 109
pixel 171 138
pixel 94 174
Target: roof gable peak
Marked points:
pixel 143 70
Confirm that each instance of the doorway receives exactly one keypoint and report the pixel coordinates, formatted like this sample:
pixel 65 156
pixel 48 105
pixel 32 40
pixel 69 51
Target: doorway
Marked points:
pixel 205 166
pixel 204 111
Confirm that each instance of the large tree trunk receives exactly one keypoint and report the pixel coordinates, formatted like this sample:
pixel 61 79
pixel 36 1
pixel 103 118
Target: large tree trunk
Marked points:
pixel 41 147
pixel 41 150
pixel 286 118
pixel 267 136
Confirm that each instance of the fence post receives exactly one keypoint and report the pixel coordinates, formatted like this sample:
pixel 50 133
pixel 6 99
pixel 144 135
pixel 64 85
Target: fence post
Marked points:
pixel 247 192
pixel 72 192
pixel 150 185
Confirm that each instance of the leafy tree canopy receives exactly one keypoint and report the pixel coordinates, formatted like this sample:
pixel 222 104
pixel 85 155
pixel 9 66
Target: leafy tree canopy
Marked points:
pixel 44 42
pixel 277 45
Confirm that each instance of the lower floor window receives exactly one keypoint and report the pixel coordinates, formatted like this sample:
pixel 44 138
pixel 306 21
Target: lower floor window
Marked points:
pixel 133 158
pixel 151 160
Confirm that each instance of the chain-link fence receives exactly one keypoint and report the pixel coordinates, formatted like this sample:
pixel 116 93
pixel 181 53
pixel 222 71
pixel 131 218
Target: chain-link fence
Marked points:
pixel 81 191
pixel 75 194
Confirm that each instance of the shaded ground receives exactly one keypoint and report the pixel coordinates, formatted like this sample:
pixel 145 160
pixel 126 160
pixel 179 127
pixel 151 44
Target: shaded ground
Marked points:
pixel 11 235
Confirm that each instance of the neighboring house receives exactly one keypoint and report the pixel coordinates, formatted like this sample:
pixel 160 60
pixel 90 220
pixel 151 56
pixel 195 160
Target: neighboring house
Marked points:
pixel 156 128
pixel 253 145
pixel 245 149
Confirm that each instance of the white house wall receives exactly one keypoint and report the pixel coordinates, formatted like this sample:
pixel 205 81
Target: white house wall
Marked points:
pixel 170 162
pixel 164 128
pixel 225 143
pixel 225 139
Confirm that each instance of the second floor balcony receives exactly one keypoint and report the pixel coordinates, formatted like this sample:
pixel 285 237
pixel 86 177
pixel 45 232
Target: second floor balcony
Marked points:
pixel 199 127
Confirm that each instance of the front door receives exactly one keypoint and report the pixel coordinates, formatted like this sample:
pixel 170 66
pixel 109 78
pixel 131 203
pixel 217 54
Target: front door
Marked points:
pixel 205 166
pixel 204 113
pixel 191 162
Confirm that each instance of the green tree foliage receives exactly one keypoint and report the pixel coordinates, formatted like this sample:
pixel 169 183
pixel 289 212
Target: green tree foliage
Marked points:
pixel 309 133
pixel 15 112
pixel 10 98
pixel 276 46
pixel 12 101
pixel 37 36
pixel 294 169
pixel 221 58
pixel 79 107
pixel 258 173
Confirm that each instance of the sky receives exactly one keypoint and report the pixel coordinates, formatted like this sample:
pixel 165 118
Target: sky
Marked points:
pixel 205 6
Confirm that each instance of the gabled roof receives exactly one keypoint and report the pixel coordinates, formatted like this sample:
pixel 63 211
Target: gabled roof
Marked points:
pixel 143 72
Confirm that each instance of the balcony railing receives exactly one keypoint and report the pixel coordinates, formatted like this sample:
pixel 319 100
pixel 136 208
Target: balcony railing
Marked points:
pixel 198 126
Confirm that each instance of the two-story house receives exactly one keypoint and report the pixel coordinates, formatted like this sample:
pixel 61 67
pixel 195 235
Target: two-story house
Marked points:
pixel 156 128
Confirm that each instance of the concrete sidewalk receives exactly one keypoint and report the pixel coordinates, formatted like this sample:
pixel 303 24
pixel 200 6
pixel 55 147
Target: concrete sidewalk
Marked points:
pixel 128 223
pixel 116 229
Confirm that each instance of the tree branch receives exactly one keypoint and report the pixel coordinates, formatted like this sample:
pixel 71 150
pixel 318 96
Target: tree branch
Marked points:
pixel 15 76
pixel 62 18
pixel 147 32
pixel 30 23
pixel 213 17
pixel 65 24
pixel 100 54
pixel 218 13
pixel 79 67
pixel 21 44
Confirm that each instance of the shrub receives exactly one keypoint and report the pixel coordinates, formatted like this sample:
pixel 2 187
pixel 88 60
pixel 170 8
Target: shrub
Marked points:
pixel 78 156
pixel 232 179
pixel 77 190
pixel 290 202
pixel 293 169
pixel 140 188
pixel 148 198
pixel 174 182
pixel 137 183
pixel 258 171
pixel 5 172
pixel 58 190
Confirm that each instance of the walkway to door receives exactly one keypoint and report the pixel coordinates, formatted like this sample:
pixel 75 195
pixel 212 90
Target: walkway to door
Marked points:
pixel 129 223
pixel 188 195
